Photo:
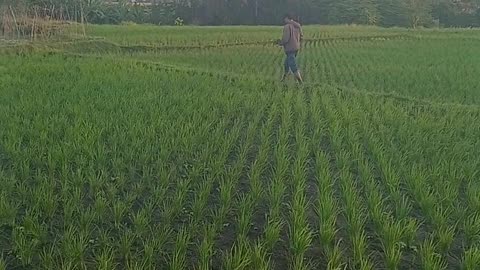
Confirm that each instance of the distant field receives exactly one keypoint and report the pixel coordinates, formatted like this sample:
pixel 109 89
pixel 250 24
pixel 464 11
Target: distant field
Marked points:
pixel 201 35
pixel 147 147
pixel 195 35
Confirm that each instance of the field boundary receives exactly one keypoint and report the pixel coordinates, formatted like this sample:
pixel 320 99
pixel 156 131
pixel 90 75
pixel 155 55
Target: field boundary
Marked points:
pixel 103 44
pixel 149 48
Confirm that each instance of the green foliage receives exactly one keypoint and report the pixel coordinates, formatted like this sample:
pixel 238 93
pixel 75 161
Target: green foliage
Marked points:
pixel 164 13
pixel 176 148
pixel 411 13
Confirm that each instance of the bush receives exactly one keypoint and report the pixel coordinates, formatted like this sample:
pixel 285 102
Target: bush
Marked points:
pixel 164 13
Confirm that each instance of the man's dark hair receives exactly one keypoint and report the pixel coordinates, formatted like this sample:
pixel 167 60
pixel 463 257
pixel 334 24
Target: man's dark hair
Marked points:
pixel 288 16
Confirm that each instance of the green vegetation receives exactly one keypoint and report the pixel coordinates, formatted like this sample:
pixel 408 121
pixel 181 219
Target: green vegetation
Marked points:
pixel 404 13
pixel 178 150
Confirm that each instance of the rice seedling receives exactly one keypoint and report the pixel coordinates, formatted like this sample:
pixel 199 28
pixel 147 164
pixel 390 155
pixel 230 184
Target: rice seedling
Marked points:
pixel 119 209
pixel 150 247
pixel 272 233
pixel 106 259
pixel 327 212
pixel 125 244
pixel 238 257
pixel 179 260
pixel 206 248
pixel 141 222
pixel 75 245
pixel 429 257
pixel 472 229
pixel 48 257
pixel 8 211
pixel 471 259
pixel 23 246
pixel 245 216
pixel 260 258
pixel 301 237
pixel 445 235
pixel 335 258
pixel 3 264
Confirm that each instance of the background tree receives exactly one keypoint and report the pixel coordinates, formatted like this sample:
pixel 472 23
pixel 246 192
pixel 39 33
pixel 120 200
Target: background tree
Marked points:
pixel 419 12
pixel 405 13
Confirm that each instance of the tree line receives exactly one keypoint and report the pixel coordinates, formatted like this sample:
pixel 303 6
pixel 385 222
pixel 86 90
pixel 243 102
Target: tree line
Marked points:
pixel 404 13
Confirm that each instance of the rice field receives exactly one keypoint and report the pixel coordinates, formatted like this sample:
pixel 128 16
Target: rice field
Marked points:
pixel 178 148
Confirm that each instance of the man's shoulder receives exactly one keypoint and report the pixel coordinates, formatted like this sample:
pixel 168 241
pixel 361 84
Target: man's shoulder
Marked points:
pixel 295 24
pixel 290 27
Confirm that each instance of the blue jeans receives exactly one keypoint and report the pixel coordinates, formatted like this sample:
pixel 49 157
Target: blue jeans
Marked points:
pixel 290 62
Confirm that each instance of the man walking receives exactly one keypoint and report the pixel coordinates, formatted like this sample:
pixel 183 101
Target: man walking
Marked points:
pixel 292 35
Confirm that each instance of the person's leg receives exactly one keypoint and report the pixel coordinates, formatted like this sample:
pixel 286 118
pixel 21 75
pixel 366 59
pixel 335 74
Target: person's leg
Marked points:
pixel 286 68
pixel 294 68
